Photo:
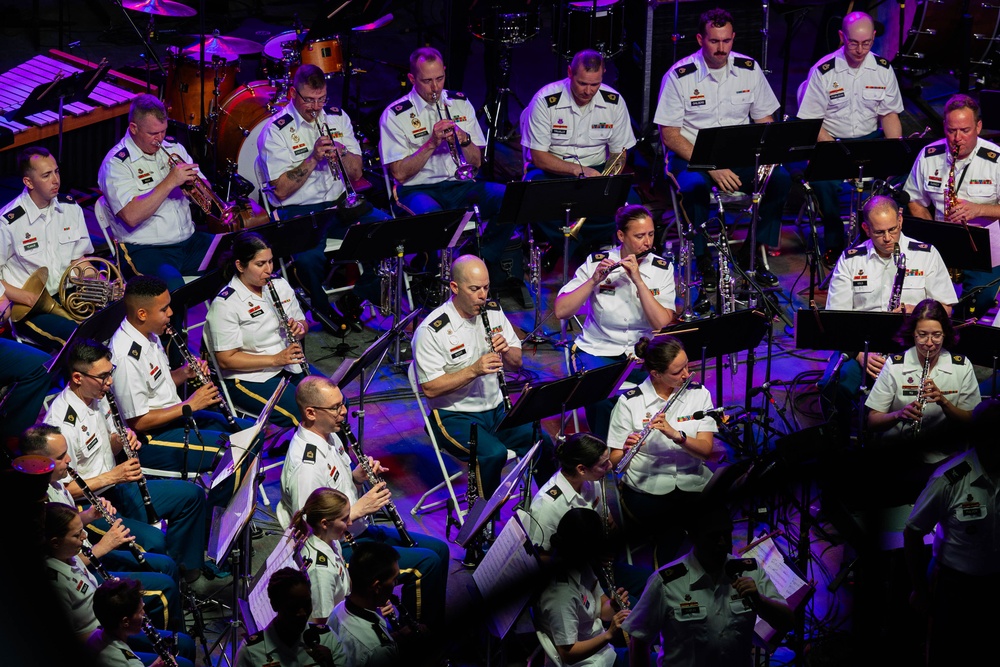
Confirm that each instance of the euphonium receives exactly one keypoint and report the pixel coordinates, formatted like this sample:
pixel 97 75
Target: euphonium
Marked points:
pixel 465 171
pixel 615 166
pixel 200 192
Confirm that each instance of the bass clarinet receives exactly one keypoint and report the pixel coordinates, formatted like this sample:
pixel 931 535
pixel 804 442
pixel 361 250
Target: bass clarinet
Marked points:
pixel 200 377
pixel 95 501
pixel 116 418
pixel 648 428
pixel 500 376
pixel 375 480
pixel 283 319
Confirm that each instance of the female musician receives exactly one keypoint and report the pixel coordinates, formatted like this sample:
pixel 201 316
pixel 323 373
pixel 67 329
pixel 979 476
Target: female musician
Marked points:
pixel 627 302
pixel 669 470
pixel 324 520
pixel 248 336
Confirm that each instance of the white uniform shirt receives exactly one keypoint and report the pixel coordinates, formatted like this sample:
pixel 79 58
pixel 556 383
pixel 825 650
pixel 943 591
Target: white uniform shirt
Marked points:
pixel 288 139
pixel 445 342
pixel 692 98
pixel 238 319
pixel 850 100
pixel 863 279
pixel 56 492
pixel 569 611
pixel 111 652
pixel 406 125
pixel 30 238
pixel 87 432
pixel 313 463
pixel 142 380
pixel 588 136
pixel 328 576
pixel 74 586
pixel 961 503
pixel 556 497
pixel 700 623
pixel 661 464
pixel 928 178
pixel 364 636
pixel 127 173
pixel 616 320
pixel 898 385
pixel 266 648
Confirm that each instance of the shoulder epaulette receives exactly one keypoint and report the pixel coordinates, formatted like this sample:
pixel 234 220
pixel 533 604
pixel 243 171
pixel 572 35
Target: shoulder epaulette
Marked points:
pixel 122 154
pixel 609 97
pixel 684 70
pixel 673 572
pixel 65 199
pixel 917 245
pixel 322 628
pixel 492 305
pixel 987 154
pixel 227 292
pixel 896 358
pixel 632 393
pixel 694 385
pixel 439 323
pixel 553 99
pixel 744 63
pixel 283 121
pixel 882 61
pixel 933 149
pixel 958 359
pixel 661 263
pixel 129 655
pixel 13 214
pixel 456 95
pixel 400 107
pixel 851 252
pixel 336 111
pixel 828 65
pixel 53 574
pixel 70 417
pixel 309 453
pixel 955 474
pixel 255 638
pixel 135 350
pixel 555 492
pixel 322 560
pixel 599 256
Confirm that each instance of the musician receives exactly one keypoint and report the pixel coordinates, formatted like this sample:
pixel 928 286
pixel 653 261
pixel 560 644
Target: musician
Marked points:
pixel 42 228
pixel 290 640
pixel 863 280
pixel 977 183
pixel 23 372
pixel 248 336
pixel 417 138
pixel 363 632
pixel 458 374
pixel 624 305
pixel 317 458
pixel 692 606
pixel 571 129
pixel 81 414
pixel 669 471
pixel 324 520
pixel 306 180
pixel 718 87
pixel 854 91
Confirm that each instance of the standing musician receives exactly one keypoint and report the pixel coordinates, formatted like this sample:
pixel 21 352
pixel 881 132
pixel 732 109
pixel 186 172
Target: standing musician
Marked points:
pixel 250 341
pixel 624 304
pixel 718 87
pixel 572 128
pixel 26 378
pixel 317 458
pixel 669 470
pixel 41 228
pixel 81 414
pixel 853 90
pixel 306 180
pixel 323 521
pixel 457 369
pixel 974 179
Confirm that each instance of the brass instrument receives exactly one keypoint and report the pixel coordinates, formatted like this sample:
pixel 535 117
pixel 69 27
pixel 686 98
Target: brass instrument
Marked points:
pixel 465 171
pixel 95 501
pixel 283 321
pixel 950 193
pixel 44 303
pixel 352 198
pixel 246 213
pixel 896 296
pixel 152 518
pixel 200 377
pixel 88 285
pixel 922 398
pixel 500 376
pixel 648 428
pixel 615 165
pixel 201 194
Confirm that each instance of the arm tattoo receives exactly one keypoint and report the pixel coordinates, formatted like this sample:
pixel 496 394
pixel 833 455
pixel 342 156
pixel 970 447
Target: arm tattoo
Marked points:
pixel 297 174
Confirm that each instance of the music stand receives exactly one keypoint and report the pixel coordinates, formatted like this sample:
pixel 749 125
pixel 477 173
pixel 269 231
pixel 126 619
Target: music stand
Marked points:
pixel 980 340
pixel 100 326
pixel 955 242
pixel 284 237
pixel 201 289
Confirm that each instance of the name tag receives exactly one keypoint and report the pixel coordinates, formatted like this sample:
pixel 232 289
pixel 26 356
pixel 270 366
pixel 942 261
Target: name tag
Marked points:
pixel 256 311
pixel 29 243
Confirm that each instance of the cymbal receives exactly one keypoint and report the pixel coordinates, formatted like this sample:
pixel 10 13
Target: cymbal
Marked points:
pixel 226 47
pixel 160 7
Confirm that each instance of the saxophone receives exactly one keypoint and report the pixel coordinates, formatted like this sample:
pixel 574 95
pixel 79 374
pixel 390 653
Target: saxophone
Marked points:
pixel 950 194
pixel 922 398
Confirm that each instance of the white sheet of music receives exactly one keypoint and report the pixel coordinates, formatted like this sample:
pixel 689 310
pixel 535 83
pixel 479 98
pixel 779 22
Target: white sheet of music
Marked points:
pixel 282 556
pixel 504 568
pixel 791 586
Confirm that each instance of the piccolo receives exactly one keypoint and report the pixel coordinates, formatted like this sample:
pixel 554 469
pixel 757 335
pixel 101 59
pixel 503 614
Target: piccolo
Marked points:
pixel 622 261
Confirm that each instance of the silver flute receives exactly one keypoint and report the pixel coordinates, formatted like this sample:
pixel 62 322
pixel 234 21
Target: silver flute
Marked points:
pixel 648 428
pixel 283 319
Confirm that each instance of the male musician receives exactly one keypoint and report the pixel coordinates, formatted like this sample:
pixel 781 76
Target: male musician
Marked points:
pixel 976 177
pixel 41 228
pixel 571 128
pixel 23 372
pixel 718 87
pixel 853 90
pixel 356 620
pixel 317 458
pixel 863 280
pixel 81 413
pixel 420 147
pixel 457 368
pixel 307 180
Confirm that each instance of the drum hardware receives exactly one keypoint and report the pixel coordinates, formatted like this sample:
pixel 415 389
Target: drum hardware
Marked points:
pixel 160 8
pixel 590 24
pixel 186 86
pixel 229 48
pixel 506 27
pixel 240 121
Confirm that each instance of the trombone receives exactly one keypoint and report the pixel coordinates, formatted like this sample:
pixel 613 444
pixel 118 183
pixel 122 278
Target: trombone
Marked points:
pixel 464 171
pixel 353 199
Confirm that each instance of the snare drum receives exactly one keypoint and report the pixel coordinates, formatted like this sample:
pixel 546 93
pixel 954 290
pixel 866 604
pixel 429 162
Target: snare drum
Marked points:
pixel 241 119
pixel 325 54
pixel 183 95
pixel 586 27
pixel 284 51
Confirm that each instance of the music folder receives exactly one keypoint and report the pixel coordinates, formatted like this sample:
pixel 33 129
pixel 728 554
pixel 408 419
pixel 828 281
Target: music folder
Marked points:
pixel 241 442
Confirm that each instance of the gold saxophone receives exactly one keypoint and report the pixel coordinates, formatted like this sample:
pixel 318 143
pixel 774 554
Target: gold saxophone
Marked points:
pixel 950 194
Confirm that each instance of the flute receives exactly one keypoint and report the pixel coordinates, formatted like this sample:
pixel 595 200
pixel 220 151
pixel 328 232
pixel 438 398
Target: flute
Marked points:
pixel 95 501
pixel 116 418
pixel 283 319
pixel 500 376
pixel 200 377
pixel 620 262
pixel 648 428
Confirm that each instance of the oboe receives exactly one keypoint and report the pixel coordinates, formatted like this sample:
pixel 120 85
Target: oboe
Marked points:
pixel 116 418
pixel 500 376
pixel 160 645
pixel 200 377
pixel 95 501
pixel 375 480
pixel 283 320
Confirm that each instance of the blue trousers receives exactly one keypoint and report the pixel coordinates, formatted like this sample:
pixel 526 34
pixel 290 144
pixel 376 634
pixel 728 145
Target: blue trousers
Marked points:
pixel 253 396
pixel 162 597
pixel 24 365
pixel 47 331
pixel 984 300
pixel 171 261
pixel 599 413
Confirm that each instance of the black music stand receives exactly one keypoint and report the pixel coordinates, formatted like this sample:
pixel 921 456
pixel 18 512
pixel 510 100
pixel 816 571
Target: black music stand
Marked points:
pixel 754 145
pixel 201 289
pixel 955 243
pixel 395 238
pixel 100 326
pixel 980 340
pixel 284 237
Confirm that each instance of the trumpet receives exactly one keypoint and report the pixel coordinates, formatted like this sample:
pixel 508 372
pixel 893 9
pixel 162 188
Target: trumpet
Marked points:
pixel 465 171
pixel 352 199
pixel 200 192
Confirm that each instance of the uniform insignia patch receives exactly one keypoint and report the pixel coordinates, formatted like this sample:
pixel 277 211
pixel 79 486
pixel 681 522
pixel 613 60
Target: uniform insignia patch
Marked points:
pixel 954 475
pixel 135 350
pixel 456 95
pixel 555 492
pixel 896 358
pixel 673 572
pixel 599 256
pixel 400 107
pixel 255 638
pixel 609 97
pixel 70 417
pixel 933 150
pixel 309 454
pixel 633 392
pixel 283 121
pixel 13 214
pixel 917 245
pixel 334 111
pixel 553 99
pixel 958 359
pixel 882 61
pixel 684 70
pixel 661 263
pixel 851 252
pixel 122 154
pixel 439 323
pixel 65 199
pixel 744 63
pixel 322 560
pixel 227 292
pixel 492 305
pixel 828 65
pixel 987 154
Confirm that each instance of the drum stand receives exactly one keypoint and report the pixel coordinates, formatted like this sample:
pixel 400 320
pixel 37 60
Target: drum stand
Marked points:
pixel 495 120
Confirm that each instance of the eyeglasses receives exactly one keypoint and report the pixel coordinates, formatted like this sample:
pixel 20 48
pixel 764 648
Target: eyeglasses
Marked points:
pixel 884 233
pixel 311 100
pixel 332 408
pixel 103 378
pixel 867 44
pixel 922 336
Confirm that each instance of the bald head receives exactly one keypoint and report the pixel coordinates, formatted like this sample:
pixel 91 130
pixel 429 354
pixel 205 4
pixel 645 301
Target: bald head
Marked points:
pixel 313 390
pixel 470 285
pixel 860 19
pixel 857 32
pixel 465 268
pixel 880 205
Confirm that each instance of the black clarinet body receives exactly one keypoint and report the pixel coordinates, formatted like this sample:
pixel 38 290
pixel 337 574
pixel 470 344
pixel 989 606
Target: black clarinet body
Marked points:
pixel 500 376
pixel 201 378
pixel 472 492
pixel 283 321
pixel 95 501
pixel 116 418
pixel 160 644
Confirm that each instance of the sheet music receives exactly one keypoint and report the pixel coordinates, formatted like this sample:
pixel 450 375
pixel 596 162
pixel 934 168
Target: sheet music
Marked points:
pixel 228 521
pixel 773 562
pixel 504 568
pixel 282 556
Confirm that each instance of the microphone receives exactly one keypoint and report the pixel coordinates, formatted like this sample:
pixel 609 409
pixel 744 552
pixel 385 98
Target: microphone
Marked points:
pixel 310 637
pixel 840 362
pixel 735 568
pixel 186 410
pixel 714 413
pixel 767 385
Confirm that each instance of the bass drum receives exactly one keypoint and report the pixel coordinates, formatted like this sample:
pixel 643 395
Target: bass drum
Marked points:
pixel 241 119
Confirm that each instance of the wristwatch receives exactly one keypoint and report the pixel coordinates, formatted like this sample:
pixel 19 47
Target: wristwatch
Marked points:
pixel 468 140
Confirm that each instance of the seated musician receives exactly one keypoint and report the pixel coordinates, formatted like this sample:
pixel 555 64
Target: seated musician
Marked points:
pixel 297 147
pixel 248 336
pixel 624 305
pixel 24 373
pixel 43 229
pixel 317 458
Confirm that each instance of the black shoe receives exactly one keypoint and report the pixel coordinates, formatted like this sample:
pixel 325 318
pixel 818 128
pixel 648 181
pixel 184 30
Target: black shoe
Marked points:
pixel 332 322
pixel 473 556
pixel 709 276
pixel 766 278
pixel 702 306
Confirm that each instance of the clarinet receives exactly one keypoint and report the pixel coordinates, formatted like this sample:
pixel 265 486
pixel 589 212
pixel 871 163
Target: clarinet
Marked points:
pixel 375 480
pixel 116 418
pixel 283 319
pixel 402 619
pixel 95 501
pixel 896 297
pixel 96 563
pixel 159 643
pixel 200 377
pixel 500 377
pixel 922 399
pixel 648 428
pixel 472 492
